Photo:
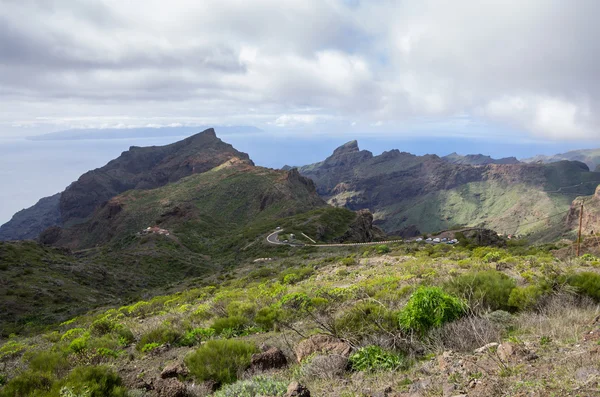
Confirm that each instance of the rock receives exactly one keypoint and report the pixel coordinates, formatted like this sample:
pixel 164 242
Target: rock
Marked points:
pixel 362 229
pixel 271 358
pixel 485 348
pixel 174 370
pixel 505 351
pixel 297 390
pixel 170 387
pixel 330 366
pixel 323 344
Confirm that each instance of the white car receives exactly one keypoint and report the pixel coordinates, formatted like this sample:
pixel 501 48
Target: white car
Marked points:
pixel 436 240
pixel 419 239
pixel 429 239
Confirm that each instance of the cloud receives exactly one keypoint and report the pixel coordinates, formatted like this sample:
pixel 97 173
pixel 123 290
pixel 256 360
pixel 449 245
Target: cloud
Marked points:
pixel 530 65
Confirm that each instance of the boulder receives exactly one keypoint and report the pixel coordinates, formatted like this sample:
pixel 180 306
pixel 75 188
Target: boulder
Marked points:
pixel 328 367
pixel 322 344
pixel 295 389
pixel 271 358
pixel 170 387
pixel 174 370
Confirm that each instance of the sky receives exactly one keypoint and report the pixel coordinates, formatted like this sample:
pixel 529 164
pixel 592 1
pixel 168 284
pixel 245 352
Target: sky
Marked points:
pixel 504 69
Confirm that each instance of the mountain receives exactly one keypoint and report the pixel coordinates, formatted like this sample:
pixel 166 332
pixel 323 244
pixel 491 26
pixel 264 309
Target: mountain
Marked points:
pixel 477 159
pixel 136 168
pixel 411 194
pixel 591 157
pixel 27 223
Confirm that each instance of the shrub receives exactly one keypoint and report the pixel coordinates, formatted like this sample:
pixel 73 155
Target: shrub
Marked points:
pixel 382 249
pixel 125 335
pixel 587 284
pixel 26 384
pixel 101 327
pixel 493 256
pixel 94 381
pixel 220 360
pixel 257 386
pixel 72 334
pixel 525 297
pixel 374 358
pixel 78 345
pixel 235 323
pixel 105 352
pixel 49 362
pixel 430 307
pixel 489 288
pixel 148 347
pixel 266 317
pixel 364 319
pixel 160 335
pixel 196 335
pixel 466 334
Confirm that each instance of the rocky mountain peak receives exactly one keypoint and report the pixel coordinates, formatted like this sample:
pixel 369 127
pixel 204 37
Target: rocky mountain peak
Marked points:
pixel 348 147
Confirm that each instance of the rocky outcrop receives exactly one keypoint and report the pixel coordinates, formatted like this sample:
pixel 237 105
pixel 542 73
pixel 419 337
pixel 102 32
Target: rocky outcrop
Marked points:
pixel 322 344
pixel 590 220
pixel 270 358
pixel 170 387
pixel 295 389
pixel 362 229
pixel 174 370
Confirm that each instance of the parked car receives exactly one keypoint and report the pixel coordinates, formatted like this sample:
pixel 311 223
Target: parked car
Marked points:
pixel 444 239
pixel 419 239
pixel 436 240
pixel 428 239
pixel 285 241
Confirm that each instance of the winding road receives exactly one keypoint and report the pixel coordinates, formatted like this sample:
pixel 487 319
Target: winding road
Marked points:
pixel 273 238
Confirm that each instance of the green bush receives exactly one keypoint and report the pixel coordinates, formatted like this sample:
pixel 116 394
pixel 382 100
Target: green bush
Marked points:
pixel 28 383
pixel 525 297
pixel 234 323
pixel 94 381
pixel 430 307
pixel 220 360
pixel 101 327
pixel 382 249
pixel 374 358
pixel 72 334
pixel 257 386
pixel 266 318
pixel 160 335
pixel 365 319
pixel 587 284
pixel 49 362
pixel 148 347
pixel 196 335
pixel 78 345
pixel 488 288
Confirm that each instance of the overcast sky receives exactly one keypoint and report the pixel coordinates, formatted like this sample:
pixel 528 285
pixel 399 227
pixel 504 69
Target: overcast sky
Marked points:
pixel 462 67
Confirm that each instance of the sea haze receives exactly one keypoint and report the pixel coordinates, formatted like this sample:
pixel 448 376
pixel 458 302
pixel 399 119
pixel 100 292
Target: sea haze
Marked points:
pixel 32 169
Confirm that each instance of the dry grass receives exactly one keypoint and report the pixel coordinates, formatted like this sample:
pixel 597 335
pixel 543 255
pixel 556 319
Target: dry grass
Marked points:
pixel 563 318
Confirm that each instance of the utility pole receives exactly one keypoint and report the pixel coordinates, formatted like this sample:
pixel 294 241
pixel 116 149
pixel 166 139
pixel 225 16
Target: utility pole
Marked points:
pixel 579 233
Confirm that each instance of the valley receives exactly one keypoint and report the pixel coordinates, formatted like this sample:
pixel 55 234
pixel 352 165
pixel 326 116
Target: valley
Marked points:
pixel 187 270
